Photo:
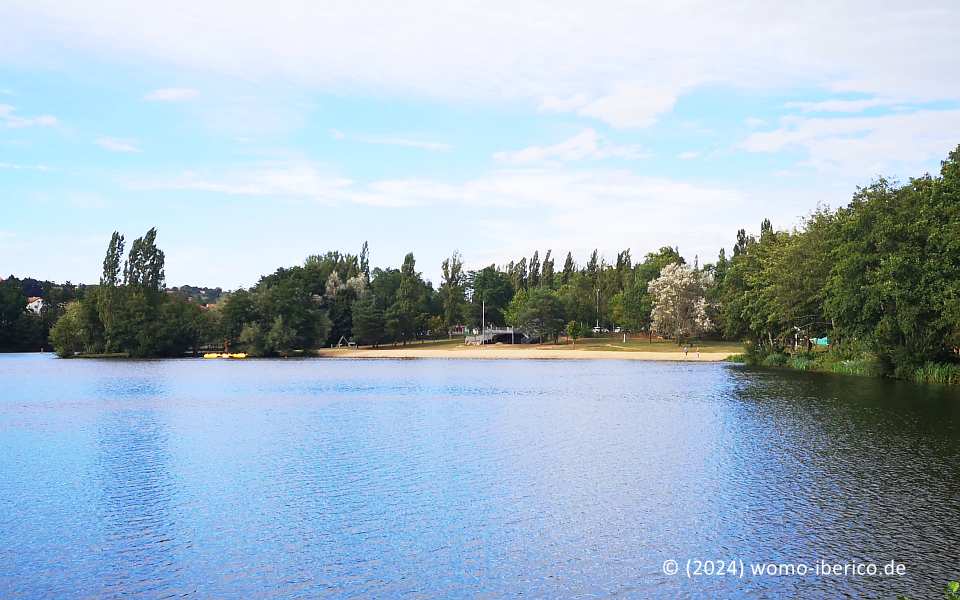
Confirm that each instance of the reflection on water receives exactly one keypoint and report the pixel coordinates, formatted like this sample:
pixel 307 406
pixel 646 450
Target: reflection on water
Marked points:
pixel 463 478
pixel 135 501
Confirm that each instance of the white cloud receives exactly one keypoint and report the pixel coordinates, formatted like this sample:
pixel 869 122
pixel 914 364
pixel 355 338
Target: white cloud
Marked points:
pixel 10 119
pixel 689 155
pixel 557 207
pixel 627 105
pixel 865 145
pixel 547 187
pixel 631 105
pixel 116 145
pixel 579 210
pixel 290 180
pixel 622 62
pixel 840 106
pixel 407 142
pixel 754 122
pixel 554 104
pixel 587 144
pixel 303 181
pixel 403 193
pixel 171 95
pixel 16 167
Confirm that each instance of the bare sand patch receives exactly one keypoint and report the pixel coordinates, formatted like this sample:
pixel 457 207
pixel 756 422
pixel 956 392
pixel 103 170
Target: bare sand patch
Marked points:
pixel 516 352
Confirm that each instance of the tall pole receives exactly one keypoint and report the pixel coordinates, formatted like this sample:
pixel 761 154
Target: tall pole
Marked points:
pixel 483 321
pixel 598 308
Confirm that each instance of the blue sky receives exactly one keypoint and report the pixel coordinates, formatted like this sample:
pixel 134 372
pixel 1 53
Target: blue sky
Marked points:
pixel 254 136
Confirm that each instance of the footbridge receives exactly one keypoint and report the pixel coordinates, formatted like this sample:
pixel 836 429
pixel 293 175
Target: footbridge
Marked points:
pixel 498 335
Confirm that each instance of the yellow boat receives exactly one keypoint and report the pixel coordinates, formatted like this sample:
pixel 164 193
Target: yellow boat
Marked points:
pixel 225 355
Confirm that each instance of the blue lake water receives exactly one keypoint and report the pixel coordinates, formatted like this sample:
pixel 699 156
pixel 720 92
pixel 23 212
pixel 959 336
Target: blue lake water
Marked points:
pixel 458 478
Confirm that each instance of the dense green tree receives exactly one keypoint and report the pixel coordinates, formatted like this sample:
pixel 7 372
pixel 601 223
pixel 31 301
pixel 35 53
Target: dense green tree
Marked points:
pixel 407 314
pixel 368 321
pixel 289 297
pixel 568 269
pixel 533 271
pixel 384 286
pixel 492 287
pixel 253 340
pixel 13 302
pixel 68 335
pixel 365 261
pixel 237 309
pixel 280 339
pixel 593 265
pixel 107 294
pixel 547 278
pixel 515 308
pixel 181 325
pixel 578 297
pixel 453 290
pixel 145 264
pixel 540 315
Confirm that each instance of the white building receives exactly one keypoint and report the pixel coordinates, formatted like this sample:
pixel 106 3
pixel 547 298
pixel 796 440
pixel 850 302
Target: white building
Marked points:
pixel 35 304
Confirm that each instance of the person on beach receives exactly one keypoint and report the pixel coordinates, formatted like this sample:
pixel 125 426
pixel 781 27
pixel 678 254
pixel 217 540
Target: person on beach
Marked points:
pixel 698 352
pixel 686 349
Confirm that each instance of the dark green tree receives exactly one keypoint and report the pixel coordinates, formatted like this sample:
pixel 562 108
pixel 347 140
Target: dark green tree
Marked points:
pixel 368 321
pixel 569 267
pixel 453 290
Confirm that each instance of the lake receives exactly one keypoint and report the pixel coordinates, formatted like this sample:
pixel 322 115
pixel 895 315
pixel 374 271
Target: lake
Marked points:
pixel 462 478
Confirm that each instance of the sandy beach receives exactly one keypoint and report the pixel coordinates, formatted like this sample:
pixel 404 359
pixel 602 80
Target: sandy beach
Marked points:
pixel 516 352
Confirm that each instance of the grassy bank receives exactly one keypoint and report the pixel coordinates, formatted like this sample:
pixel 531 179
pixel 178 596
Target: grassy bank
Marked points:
pixel 850 362
pixel 641 344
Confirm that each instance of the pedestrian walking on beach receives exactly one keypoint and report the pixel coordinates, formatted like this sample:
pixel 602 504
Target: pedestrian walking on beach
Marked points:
pixel 698 352
pixel 686 349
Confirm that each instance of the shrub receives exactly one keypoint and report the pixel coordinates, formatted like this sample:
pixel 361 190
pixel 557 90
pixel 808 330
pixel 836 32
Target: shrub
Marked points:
pixel 67 333
pixel 754 354
pixel 802 363
pixel 943 373
pixel 868 366
pixel 252 339
pixel 775 359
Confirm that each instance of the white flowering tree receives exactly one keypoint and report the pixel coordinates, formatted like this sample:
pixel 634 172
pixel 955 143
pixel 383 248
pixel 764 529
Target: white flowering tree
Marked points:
pixel 679 306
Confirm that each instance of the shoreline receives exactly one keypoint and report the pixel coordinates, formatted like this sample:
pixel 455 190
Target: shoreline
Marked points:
pixel 523 353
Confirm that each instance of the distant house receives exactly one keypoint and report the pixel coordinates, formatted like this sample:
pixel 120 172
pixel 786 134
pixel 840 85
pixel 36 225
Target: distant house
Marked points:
pixel 35 304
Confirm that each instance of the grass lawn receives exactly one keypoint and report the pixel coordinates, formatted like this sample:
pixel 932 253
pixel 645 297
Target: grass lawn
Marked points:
pixel 640 344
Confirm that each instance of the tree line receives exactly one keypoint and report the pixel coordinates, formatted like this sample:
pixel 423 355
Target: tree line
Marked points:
pixel 23 330
pixel 879 277
pixel 336 297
